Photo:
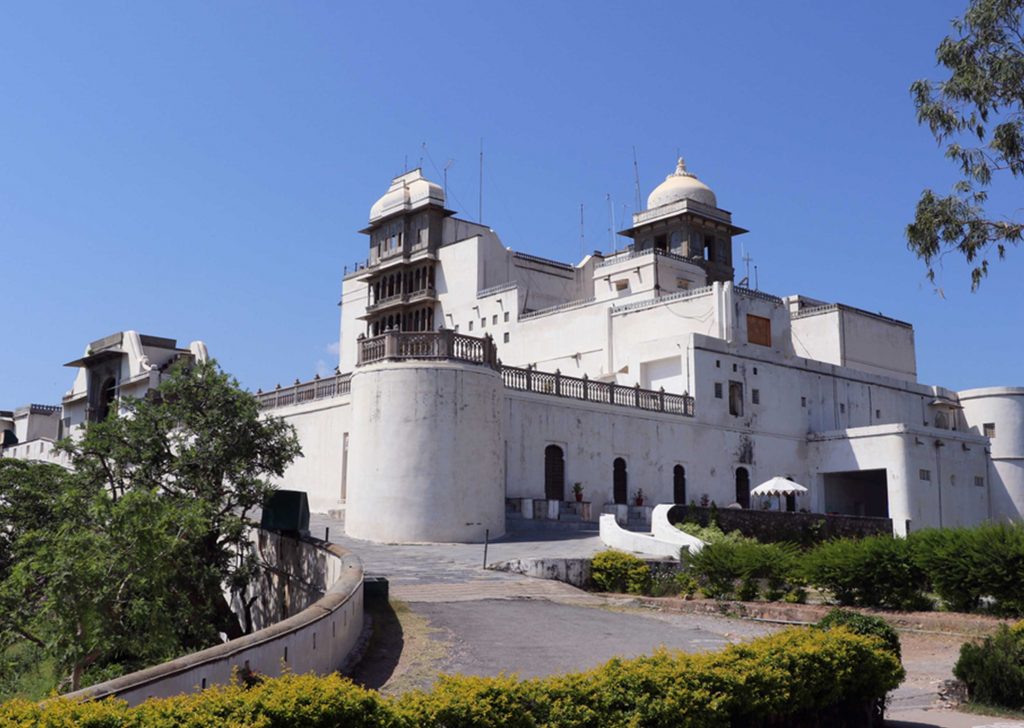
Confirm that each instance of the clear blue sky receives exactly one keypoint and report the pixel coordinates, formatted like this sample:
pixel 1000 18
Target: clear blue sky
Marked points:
pixel 200 170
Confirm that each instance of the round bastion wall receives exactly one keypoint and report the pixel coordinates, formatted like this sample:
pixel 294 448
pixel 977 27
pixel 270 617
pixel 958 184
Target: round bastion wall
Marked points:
pixel 427 453
pixel 1002 408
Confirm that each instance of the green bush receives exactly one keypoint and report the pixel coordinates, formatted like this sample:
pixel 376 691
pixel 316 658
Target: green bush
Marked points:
pixel 871 572
pixel 671 583
pixel 615 571
pixel 994 670
pixel 745 569
pixel 711 534
pixel 974 568
pixel 793 678
pixel 863 624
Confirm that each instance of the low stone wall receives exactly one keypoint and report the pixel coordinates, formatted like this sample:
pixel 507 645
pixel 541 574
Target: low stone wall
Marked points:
pixel 768 526
pixel 314 588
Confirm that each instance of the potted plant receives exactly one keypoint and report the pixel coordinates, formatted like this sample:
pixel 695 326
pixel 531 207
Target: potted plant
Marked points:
pixel 577 490
pixel 638 497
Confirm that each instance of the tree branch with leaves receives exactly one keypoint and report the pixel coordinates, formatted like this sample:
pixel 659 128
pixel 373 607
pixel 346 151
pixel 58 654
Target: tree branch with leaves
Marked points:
pixel 978 115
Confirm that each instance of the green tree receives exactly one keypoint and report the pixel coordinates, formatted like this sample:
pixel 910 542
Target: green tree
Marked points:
pixel 978 115
pixel 125 560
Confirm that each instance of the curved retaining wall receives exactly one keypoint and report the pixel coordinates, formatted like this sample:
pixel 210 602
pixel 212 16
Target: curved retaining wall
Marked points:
pixel 612 534
pixel 317 639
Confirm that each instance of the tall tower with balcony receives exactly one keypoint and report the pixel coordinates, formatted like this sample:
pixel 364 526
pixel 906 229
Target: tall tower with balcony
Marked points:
pixel 405 232
pixel 683 219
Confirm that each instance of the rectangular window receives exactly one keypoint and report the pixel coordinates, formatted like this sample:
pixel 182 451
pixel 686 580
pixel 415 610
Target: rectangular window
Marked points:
pixel 736 399
pixel 718 390
pixel 759 330
pixel 803 401
pixel 989 429
pixel 755 396
pixel 925 474
pixel 682 284
pixel 470 325
pixel 483 323
pixel 494 319
pixel 979 481
pixel 878 414
pixel 621 285
pixel 506 317
pixel 506 337
pixel 842 408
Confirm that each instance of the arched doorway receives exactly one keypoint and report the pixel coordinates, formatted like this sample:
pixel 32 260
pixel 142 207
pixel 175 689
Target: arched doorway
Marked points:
pixel 678 484
pixel 620 482
pixel 108 391
pixel 554 473
pixel 743 487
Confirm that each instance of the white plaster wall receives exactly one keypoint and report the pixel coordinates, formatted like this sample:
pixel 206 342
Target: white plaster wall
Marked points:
pixel 427 460
pixel 1003 407
pixel 949 498
pixel 353 305
pixel 817 337
pixel 593 435
pixel 320 426
pixel 852 339
pixel 875 345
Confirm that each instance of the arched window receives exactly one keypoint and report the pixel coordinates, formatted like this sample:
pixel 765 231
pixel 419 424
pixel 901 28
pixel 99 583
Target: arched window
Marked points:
pixel 620 482
pixel 108 391
pixel 554 473
pixel 678 484
pixel 743 487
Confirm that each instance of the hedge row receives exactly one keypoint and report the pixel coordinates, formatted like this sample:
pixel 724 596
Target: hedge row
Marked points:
pixel 968 569
pixel 793 678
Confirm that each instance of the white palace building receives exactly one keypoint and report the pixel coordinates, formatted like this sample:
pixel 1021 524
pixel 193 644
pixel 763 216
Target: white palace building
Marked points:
pixel 475 379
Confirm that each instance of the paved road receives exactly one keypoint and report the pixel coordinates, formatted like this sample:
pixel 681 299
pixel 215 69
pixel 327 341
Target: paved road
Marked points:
pixel 463 618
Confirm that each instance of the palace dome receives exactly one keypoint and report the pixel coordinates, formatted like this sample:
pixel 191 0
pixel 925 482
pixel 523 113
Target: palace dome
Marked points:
pixel 681 185
pixel 407 192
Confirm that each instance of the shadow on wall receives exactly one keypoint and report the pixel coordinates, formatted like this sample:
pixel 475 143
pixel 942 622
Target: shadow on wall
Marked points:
pixel 291 578
pixel 387 641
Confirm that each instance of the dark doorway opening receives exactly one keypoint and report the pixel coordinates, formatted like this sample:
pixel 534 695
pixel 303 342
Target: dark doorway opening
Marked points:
pixel 554 473
pixel 743 487
pixel 108 391
pixel 678 484
pixel 620 484
pixel 857 493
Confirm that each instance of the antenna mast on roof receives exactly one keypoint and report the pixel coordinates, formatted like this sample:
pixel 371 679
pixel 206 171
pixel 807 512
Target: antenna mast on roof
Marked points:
pixel 581 231
pixel 480 216
pixel 746 261
pixel 611 224
pixel 447 165
pixel 636 179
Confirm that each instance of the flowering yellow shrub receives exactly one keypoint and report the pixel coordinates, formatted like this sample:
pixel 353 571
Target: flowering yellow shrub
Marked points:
pixel 793 678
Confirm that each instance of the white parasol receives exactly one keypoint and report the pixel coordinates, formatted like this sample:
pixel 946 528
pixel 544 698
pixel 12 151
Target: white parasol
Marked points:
pixel 779 486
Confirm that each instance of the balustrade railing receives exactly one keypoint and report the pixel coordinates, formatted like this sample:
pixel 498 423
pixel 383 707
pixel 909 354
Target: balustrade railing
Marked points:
pixel 448 345
pixel 444 344
pixel 531 380
pixel 315 389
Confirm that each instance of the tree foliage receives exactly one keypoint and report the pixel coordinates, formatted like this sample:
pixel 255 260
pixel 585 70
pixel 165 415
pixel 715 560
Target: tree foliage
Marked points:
pixel 978 115
pixel 132 557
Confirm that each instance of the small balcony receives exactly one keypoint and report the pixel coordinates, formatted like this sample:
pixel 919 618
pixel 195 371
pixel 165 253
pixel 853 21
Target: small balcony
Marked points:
pixel 397 300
